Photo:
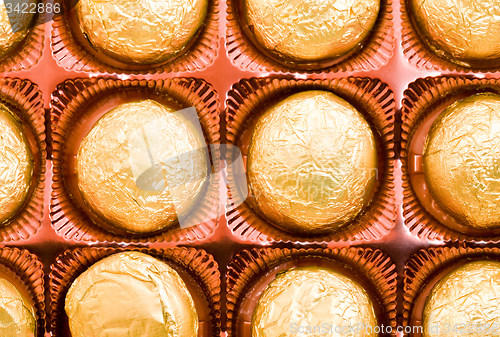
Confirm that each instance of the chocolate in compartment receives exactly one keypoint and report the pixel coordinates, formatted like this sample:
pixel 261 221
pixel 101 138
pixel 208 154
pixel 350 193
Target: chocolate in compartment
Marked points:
pixel 25 272
pixel 24 99
pixel 426 268
pixel 418 52
pixel 249 98
pixel 76 106
pixel 250 271
pixel 72 51
pixel 198 270
pixel 29 51
pixel 423 101
pixel 246 53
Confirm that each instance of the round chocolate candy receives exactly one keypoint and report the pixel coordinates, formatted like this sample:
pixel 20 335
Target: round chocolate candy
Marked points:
pixel 16 165
pixel 130 294
pixel 14 24
pixel 17 315
pixel 312 300
pixel 463 31
pixel 311 30
pixel 461 160
pixel 143 32
pixel 131 144
pixel 312 163
pixel 465 302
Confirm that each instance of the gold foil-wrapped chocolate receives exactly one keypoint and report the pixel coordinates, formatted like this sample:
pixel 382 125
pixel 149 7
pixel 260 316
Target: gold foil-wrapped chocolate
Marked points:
pixel 313 301
pixel 130 294
pixel 310 30
pixel 16 165
pixel 465 302
pixel 463 31
pixel 124 146
pixel 312 163
pixel 146 31
pixel 17 316
pixel 14 23
pixel 461 161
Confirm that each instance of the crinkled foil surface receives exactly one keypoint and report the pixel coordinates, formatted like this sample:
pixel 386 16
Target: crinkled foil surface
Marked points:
pixel 14 25
pixel 462 30
pixel 17 316
pixel 311 163
pixel 312 297
pixel 308 30
pixel 16 165
pixel 467 297
pixel 126 142
pixel 462 160
pixel 145 31
pixel 130 294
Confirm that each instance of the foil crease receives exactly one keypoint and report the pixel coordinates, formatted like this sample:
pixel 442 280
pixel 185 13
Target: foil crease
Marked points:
pixel 130 294
pixel 309 30
pixel 17 316
pixel 312 297
pixel 312 163
pixel 146 31
pixel 16 165
pixel 465 302
pixel 109 158
pixel 14 25
pixel 460 30
pixel 461 161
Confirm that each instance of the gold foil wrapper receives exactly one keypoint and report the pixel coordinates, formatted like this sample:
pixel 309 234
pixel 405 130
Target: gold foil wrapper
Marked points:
pixel 465 302
pixel 14 24
pixel 311 30
pixel 312 163
pixel 130 294
pixel 16 165
pixel 127 142
pixel 17 315
pixel 460 30
pixel 146 31
pixel 308 297
pixel 461 161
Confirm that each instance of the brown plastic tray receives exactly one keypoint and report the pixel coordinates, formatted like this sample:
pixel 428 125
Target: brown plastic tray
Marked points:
pixel 224 61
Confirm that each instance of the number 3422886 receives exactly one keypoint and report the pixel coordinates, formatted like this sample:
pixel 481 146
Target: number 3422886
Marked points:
pixel 32 8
